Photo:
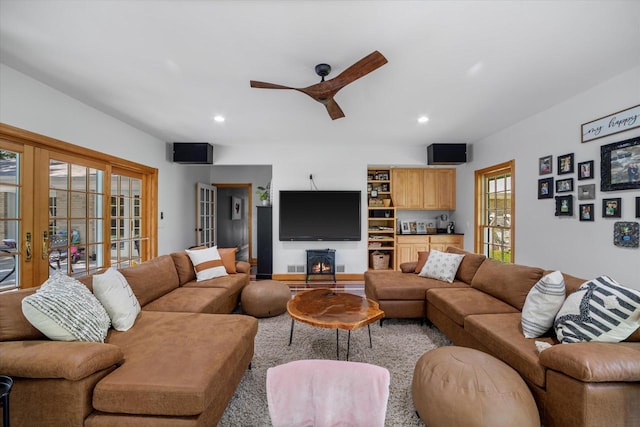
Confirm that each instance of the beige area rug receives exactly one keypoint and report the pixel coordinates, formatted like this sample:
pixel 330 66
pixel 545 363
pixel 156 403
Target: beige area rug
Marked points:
pixel 397 346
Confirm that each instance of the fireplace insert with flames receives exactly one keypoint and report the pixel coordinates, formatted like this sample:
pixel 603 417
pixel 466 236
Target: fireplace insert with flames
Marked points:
pixel 321 262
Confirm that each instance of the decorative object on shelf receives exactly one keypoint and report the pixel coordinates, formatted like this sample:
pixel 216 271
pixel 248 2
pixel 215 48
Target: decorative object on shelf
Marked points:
pixel 545 165
pixel 619 165
pixel 637 207
pixel 564 185
pixel 612 208
pixel 413 227
pixel 404 227
pixel 545 188
pixel 587 192
pixel 617 122
pixel 236 208
pixel 626 234
pixel 264 193
pixel 564 205
pixel 374 193
pixel 421 227
pixel 585 170
pixel 565 164
pixel 586 211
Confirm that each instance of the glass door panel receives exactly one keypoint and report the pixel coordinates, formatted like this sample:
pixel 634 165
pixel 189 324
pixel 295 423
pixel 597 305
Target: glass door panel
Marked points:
pixel 10 220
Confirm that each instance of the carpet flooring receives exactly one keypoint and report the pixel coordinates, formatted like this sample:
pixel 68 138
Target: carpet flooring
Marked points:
pixel 396 346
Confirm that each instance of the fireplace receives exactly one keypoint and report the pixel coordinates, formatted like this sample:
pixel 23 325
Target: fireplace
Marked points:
pixel 321 262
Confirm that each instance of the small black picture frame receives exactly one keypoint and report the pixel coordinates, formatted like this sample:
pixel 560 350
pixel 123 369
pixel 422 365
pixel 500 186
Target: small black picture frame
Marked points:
pixel 545 165
pixel 585 170
pixel 637 207
pixel 565 164
pixel 564 185
pixel 612 207
pixel 545 188
pixel 564 205
pixel 586 211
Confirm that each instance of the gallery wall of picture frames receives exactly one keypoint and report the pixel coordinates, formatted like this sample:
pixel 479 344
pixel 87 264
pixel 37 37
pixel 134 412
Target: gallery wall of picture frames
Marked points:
pixel 619 170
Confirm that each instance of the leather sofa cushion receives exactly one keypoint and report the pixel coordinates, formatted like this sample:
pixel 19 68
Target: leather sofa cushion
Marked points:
pixel 595 361
pixel 13 325
pixel 169 369
pixel 502 335
pixel 469 265
pixel 190 300
pixel 184 267
pixel 459 303
pixel 510 283
pixel 394 285
pixel 232 283
pixel 152 279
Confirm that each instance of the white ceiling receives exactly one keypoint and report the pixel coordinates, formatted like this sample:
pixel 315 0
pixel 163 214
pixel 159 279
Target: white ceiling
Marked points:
pixel 167 67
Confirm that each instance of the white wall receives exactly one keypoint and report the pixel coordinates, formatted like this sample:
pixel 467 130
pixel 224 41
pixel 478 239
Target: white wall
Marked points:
pixel 31 105
pixel 584 249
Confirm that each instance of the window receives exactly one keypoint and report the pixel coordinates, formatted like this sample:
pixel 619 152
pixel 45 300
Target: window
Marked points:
pixel 495 212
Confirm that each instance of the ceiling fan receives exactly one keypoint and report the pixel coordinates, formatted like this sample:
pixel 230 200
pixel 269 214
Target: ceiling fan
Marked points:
pixel 324 91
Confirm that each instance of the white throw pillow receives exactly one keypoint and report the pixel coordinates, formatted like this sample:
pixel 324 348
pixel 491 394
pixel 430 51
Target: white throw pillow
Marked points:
pixel 542 304
pixel 441 265
pixel 113 291
pixel 599 310
pixel 65 310
pixel 207 263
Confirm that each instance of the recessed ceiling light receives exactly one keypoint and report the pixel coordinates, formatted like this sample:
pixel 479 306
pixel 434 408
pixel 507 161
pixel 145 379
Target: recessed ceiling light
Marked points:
pixel 423 119
pixel 218 118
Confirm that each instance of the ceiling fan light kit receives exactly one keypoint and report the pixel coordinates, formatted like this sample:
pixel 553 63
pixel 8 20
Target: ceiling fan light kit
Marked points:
pixel 324 91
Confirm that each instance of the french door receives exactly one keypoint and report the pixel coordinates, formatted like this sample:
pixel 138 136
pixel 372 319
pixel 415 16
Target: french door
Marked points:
pixel 71 213
pixel 205 215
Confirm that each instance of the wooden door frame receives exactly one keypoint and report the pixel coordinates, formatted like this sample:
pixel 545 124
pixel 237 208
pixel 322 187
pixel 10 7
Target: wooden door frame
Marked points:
pixel 249 188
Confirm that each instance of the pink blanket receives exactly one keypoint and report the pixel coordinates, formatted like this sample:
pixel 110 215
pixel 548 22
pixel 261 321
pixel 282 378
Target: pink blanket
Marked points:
pixel 325 393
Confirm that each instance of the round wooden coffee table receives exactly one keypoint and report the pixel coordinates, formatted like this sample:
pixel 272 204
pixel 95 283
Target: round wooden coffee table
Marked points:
pixel 325 308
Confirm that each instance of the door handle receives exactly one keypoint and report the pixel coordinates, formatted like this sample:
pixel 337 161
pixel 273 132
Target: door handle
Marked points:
pixel 45 245
pixel 27 246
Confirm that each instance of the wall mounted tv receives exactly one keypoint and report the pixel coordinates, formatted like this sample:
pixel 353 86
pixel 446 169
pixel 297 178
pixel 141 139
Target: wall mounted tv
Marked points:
pixel 320 215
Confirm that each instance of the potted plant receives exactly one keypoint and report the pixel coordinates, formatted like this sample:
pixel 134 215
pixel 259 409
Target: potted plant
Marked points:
pixel 264 193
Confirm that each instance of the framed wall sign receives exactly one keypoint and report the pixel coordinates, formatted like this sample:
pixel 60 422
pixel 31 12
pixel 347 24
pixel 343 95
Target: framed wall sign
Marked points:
pixel 619 121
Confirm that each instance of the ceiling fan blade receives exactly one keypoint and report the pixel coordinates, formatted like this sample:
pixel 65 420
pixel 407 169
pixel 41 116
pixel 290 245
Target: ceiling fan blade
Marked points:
pixel 263 85
pixel 334 110
pixel 369 63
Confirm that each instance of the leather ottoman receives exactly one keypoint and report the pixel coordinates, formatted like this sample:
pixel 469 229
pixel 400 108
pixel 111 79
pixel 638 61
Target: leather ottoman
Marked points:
pixel 265 298
pixel 459 386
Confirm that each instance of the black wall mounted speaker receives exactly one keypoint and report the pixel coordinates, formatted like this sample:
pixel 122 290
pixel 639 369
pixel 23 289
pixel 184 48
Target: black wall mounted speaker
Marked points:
pixel 446 154
pixel 194 153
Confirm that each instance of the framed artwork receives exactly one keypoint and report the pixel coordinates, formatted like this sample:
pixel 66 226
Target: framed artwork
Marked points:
pixel 565 164
pixel 586 212
pixel 612 208
pixel 421 228
pixel 637 207
pixel 619 121
pixel 587 192
pixel 564 205
pixel 545 188
pixel 236 208
pixel 404 227
pixel 619 165
pixel 585 170
pixel 545 165
pixel 564 185
pixel 626 234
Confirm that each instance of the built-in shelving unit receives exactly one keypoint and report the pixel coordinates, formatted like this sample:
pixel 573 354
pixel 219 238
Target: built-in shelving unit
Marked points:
pixel 381 218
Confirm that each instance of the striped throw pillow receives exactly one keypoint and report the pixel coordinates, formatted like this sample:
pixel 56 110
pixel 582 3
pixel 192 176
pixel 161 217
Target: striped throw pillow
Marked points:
pixel 542 304
pixel 207 263
pixel 599 310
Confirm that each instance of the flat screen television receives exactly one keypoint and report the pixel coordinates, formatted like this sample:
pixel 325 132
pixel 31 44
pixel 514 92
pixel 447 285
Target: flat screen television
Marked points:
pixel 620 165
pixel 320 215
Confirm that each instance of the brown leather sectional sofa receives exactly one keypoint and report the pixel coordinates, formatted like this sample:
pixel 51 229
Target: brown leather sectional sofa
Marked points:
pixel 179 365
pixel 581 384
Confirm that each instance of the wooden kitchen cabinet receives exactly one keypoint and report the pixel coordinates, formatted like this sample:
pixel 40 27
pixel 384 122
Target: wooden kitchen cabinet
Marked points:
pixel 408 246
pixel 424 188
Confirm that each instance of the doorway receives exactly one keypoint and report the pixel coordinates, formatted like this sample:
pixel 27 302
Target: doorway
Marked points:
pixel 233 218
